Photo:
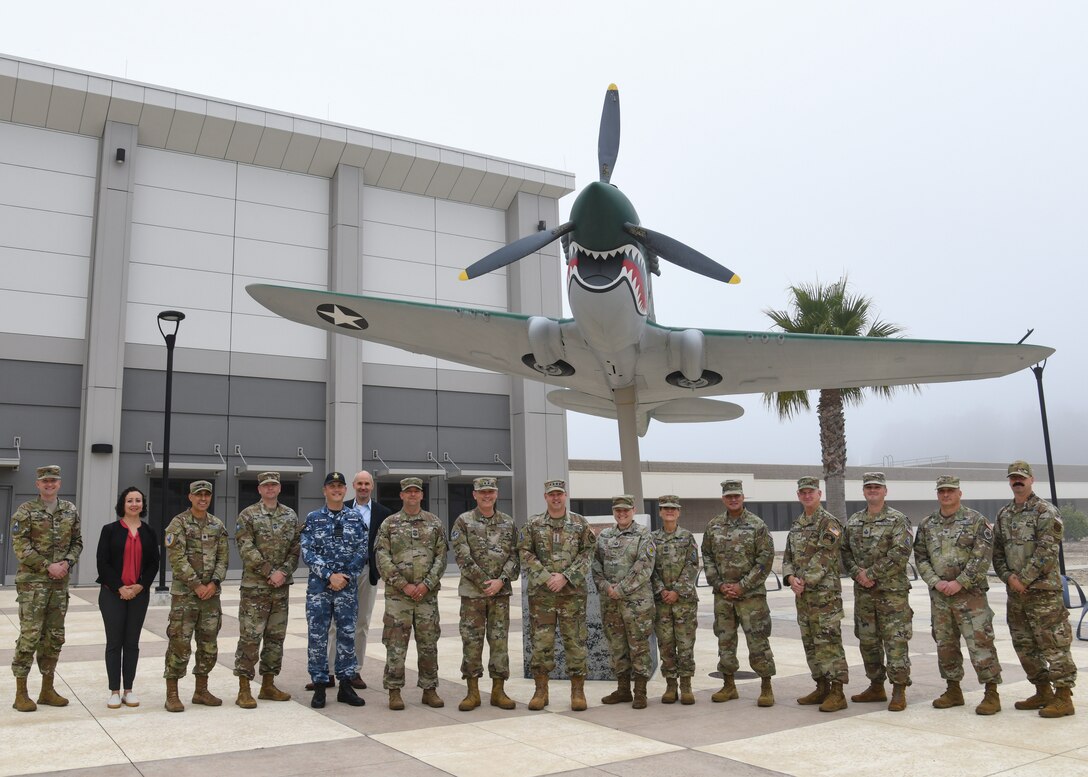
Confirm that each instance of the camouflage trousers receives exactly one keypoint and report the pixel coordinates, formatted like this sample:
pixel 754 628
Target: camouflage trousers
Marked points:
pixel 403 614
pixel 485 618
pixel 820 614
pixel 548 610
pixel 967 615
pixel 675 625
pixel 323 605
pixel 628 624
pixel 262 617
pixel 42 607
pixel 754 616
pixel 190 615
pixel 882 624
pixel 1041 635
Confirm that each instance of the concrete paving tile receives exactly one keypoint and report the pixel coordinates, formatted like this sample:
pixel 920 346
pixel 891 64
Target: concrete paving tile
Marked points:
pixel 687 763
pixel 516 759
pixel 1048 767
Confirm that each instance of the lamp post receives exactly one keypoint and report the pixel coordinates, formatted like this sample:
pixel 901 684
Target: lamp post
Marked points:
pixel 174 317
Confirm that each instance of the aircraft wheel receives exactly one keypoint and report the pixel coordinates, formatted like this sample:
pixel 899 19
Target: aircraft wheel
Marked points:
pixel 708 378
pixel 558 369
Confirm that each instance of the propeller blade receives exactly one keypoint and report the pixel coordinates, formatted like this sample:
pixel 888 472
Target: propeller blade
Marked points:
pixel 675 252
pixel 514 251
pixel 608 141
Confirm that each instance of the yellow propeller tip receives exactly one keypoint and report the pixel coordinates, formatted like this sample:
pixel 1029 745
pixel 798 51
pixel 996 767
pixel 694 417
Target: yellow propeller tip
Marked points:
pixel 613 88
pixel 734 280
pixel 463 276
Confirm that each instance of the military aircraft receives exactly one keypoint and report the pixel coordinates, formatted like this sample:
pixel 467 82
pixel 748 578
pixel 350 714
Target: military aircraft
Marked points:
pixel 612 358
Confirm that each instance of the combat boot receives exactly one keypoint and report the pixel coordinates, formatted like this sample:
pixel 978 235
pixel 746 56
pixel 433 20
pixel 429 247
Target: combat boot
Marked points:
pixel 472 698
pixel 346 694
pixel 899 698
pixel 23 702
pixel 498 695
pixel 686 696
pixel 269 691
pixel 638 701
pixel 991 702
pixel 1043 696
pixel 577 693
pixel 875 692
pixel 202 695
pixel 817 696
pixel 766 695
pixel 669 697
pixel 622 692
pixel 317 701
pixel 432 699
pixel 245 699
pixel 173 703
pixel 540 696
pixel 1060 706
pixel 952 696
pixel 395 701
pixel 835 700
pixel 728 691
pixel 48 695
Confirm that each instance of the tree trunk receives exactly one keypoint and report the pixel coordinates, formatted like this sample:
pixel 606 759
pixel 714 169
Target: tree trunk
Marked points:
pixel 833 449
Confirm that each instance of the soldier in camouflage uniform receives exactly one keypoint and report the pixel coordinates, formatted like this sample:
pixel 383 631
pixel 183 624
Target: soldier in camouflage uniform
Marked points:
pixel 556 549
pixel 411 559
pixel 334 546
pixel 622 565
pixel 196 545
pixel 737 555
pixel 1027 537
pixel 267 536
pixel 810 566
pixel 485 545
pixel 875 550
pixel 676 601
pixel 47 541
pixel 953 548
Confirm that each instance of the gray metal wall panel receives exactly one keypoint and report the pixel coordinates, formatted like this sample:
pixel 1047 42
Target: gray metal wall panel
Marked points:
pixel 277 398
pixel 40 383
pixel 193 392
pixel 489 411
pixel 413 407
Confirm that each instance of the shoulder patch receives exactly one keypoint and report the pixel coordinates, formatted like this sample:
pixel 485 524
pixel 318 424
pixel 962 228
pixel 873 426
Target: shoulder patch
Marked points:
pixel 988 531
pixel 833 529
pixel 15 526
pixel 169 540
pixel 455 534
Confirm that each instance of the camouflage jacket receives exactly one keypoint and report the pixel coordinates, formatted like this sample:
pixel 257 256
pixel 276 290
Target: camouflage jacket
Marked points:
pixel 955 548
pixel 879 544
pixel 411 549
pixel 267 542
pixel 563 545
pixel 812 551
pixel 197 551
pixel 1026 541
pixel 40 539
pixel 335 542
pixel 624 558
pixel 486 549
pixel 738 550
pixel 677 565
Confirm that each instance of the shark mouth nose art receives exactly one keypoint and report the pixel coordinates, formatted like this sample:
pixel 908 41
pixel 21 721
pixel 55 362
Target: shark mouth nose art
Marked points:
pixel 601 271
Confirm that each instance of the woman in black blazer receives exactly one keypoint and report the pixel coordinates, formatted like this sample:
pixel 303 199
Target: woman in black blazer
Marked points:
pixel 128 559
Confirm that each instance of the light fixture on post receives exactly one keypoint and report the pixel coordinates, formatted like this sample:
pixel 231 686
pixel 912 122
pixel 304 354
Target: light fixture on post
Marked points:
pixel 169 317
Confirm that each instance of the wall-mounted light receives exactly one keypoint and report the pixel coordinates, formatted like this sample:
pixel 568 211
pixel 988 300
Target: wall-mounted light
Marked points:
pixel 101 447
pixel 541 225
pixel 119 157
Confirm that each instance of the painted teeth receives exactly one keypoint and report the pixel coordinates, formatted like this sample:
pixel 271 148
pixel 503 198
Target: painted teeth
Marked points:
pixel 630 250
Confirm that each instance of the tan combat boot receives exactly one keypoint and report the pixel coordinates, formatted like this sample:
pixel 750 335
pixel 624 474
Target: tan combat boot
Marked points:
pixel 269 691
pixel 766 695
pixel 23 702
pixel 245 699
pixel 540 696
pixel 498 695
pixel 817 696
pixel 472 697
pixel 395 701
pixel 622 692
pixel 577 693
pixel 952 696
pixel 669 697
pixel 1043 696
pixel 686 696
pixel 875 692
pixel 48 695
pixel 1060 706
pixel 899 698
pixel 432 699
pixel 638 701
pixel 202 695
pixel 835 700
pixel 728 691
pixel 991 702
pixel 173 703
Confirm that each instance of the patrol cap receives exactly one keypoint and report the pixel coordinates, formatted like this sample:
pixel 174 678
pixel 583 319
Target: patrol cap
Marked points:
pixel 1019 468
pixel 200 485
pixel 336 477
pixel 947 481
pixel 730 487
pixel 669 500
pixel 48 472
pixel 407 483
pixel 874 479
pixel 808 482
pixel 623 502
pixel 485 484
pixel 268 477
pixel 555 485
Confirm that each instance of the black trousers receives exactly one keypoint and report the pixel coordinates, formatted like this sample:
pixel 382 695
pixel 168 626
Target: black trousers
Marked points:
pixel 123 620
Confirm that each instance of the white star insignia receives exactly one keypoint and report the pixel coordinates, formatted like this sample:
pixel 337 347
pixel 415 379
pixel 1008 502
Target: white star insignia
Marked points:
pixel 345 318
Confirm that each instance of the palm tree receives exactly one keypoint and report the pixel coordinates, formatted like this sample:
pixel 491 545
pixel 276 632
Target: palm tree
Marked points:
pixel 829 310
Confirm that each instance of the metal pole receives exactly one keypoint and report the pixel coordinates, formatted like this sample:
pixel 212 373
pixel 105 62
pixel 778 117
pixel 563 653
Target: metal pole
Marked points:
pixel 170 339
pixel 1038 370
